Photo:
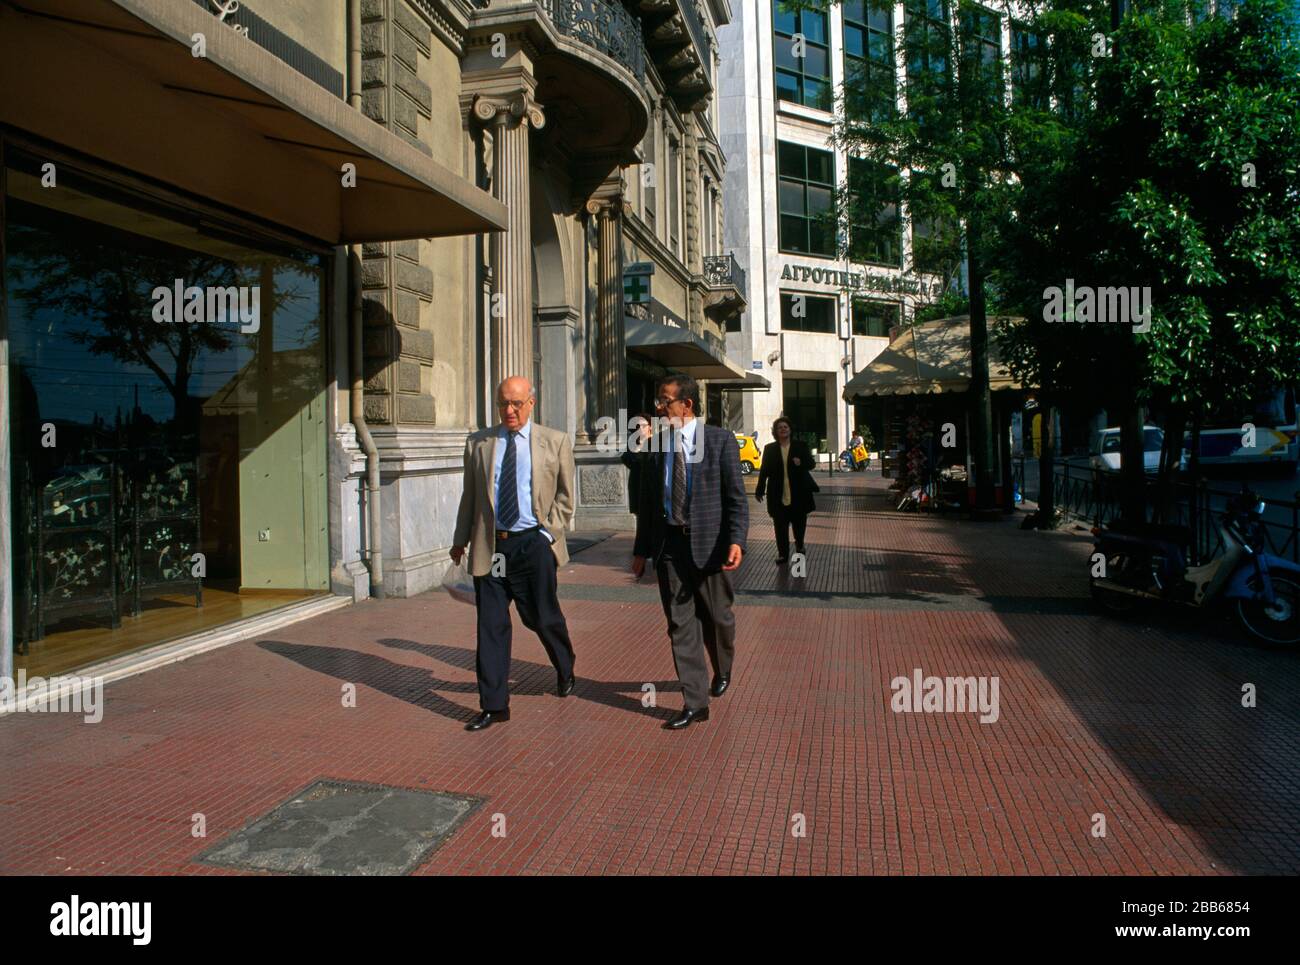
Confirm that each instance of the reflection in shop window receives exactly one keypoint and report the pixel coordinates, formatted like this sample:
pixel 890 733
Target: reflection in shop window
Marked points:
pixel 186 487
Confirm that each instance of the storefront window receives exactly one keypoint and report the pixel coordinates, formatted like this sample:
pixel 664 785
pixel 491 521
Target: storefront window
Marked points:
pixel 167 390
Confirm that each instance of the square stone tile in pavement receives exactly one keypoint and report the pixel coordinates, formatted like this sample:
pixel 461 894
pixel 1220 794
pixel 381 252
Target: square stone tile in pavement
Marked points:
pixel 1139 722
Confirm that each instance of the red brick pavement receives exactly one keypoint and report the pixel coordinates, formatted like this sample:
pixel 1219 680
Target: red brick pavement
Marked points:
pixel 1140 722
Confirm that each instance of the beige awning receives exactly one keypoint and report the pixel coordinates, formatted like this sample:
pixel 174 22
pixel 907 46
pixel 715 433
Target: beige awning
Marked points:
pixel 116 80
pixel 927 359
pixel 678 349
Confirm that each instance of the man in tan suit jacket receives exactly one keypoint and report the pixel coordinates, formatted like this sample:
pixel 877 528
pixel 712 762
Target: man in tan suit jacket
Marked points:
pixel 517 502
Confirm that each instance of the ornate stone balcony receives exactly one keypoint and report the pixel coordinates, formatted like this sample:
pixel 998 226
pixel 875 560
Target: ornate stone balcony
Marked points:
pixel 725 292
pixel 588 60
pixel 607 27
pixel 676 38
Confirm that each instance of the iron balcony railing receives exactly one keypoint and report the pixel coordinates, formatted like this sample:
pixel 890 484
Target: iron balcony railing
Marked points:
pixel 607 27
pixel 723 270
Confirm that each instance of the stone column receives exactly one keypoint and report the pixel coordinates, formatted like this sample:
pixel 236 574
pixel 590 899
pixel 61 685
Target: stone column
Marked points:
pixel 693 258
pixel 510 311
pixel 611 342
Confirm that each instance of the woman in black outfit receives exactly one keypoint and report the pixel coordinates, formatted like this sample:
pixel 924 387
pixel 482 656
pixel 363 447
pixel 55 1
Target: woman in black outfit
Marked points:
pixel 786 478
pixel 638 458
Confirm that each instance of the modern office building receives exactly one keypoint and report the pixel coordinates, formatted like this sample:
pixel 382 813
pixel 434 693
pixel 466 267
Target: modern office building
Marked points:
pixel 264 265
pixel 816 318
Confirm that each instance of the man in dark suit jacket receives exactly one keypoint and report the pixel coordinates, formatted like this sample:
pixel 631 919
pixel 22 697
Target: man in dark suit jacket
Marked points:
pixel 693 519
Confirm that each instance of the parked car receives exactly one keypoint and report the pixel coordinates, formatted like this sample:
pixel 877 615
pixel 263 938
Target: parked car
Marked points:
pixel 1105 450
pixel 750 456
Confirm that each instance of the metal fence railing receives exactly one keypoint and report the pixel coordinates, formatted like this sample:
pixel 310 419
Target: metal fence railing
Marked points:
pixel 1085 494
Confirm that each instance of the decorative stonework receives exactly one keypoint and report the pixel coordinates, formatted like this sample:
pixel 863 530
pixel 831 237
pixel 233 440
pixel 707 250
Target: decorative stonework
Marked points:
pixel 519 106
pixel 601 486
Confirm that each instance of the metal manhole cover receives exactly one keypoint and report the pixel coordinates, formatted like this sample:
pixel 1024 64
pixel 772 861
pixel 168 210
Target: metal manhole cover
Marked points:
pixel 345 828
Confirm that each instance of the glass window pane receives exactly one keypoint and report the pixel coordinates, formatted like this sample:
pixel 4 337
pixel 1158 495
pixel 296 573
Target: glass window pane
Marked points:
pixel 817 94
pixel 819 200
pixel 791 197
pixel 821 166
pixel 853 10
pixel 854 44
pixel 880 16
pixel 784 53
pixel 814 26
pixel 787 87
pixel 821 238
pixel 783 21
pixel 216 419
pixel 790 160
pixel 794 233
pixel 882 47
pixel 816 62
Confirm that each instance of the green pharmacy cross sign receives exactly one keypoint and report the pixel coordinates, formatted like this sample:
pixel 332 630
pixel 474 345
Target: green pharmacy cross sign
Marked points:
pixel 636 283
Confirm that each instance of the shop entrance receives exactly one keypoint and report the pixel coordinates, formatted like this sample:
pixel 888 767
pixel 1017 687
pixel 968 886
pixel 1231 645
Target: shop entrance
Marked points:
pixel 804 403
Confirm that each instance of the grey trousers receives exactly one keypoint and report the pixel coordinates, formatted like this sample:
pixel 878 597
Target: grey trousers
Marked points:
pixel 700 620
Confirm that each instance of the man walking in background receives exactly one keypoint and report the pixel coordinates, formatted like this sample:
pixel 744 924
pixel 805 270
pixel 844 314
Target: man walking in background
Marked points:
pixel 693 519
pixel 517 501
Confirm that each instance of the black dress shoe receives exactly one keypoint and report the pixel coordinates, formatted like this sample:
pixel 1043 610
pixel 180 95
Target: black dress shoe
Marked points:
pixel 564 687
pixel 780 561
pixel 686 717
pixel 487 718
pixel 720 684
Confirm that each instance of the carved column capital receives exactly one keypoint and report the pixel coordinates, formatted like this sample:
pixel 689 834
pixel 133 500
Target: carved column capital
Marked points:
pixel 518 106
pixel 607 207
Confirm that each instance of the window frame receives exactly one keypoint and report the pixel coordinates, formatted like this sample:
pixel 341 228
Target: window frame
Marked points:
pixel 807 219
pixel 859 301
pixel 857 228
pixel 869 65
pixel 779 36
pixel 832 315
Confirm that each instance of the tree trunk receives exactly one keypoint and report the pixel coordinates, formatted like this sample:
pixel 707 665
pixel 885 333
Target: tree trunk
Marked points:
pixel 982 452
pixel 1132 460
pixel 1170 458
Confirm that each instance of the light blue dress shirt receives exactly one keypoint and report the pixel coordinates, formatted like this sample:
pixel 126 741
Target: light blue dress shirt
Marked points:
pixel 685 437
pixel 523 480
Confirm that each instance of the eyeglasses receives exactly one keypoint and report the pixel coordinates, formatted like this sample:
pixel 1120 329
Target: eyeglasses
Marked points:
pixel 663 403
pixel 515 404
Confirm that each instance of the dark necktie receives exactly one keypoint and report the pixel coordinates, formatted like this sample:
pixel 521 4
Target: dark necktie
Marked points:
pixel 508 497
pixel 679 482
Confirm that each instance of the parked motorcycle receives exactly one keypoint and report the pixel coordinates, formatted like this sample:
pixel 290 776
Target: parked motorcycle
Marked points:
pixel 1144 563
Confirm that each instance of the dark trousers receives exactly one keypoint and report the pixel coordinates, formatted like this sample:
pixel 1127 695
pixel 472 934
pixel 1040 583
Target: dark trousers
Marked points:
pixel 782 521
pixel 700 621
pixel 530 581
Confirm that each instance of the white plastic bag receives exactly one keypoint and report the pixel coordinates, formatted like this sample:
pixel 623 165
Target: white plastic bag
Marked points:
pixel 457 582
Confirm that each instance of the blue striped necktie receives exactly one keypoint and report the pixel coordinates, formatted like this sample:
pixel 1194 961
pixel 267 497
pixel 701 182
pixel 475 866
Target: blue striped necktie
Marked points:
pixel 508 497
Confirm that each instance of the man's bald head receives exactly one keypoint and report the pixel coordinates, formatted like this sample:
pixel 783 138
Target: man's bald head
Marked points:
pixel 516 386
pixel 515 401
